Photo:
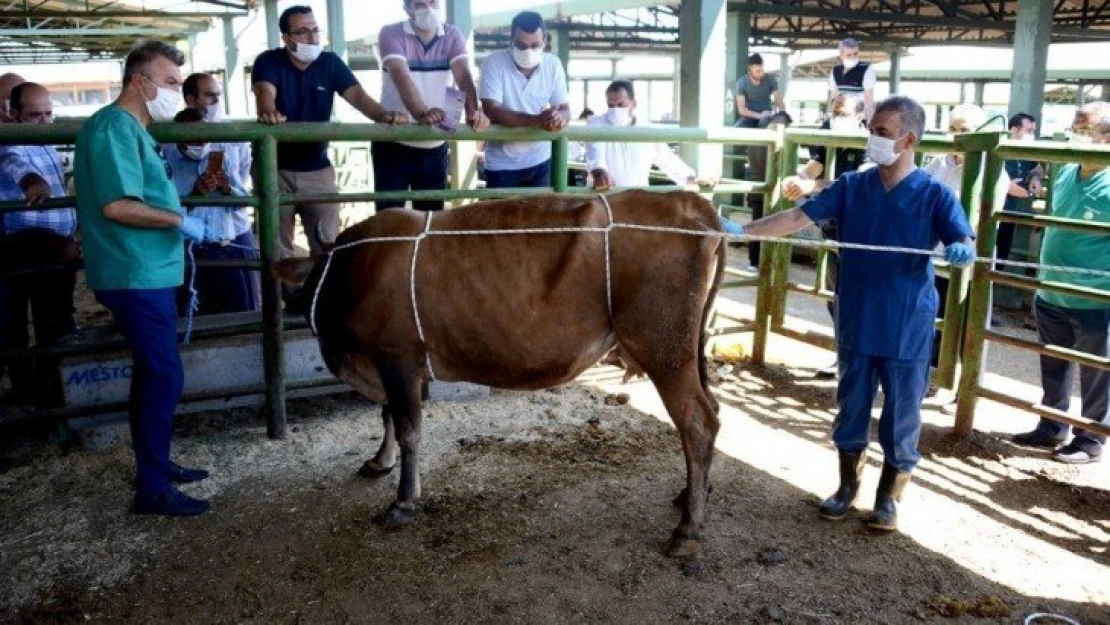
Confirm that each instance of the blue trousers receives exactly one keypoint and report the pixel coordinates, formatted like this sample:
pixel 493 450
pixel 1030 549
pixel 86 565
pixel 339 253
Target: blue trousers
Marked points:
pixel 1084 330
pixel 223 289
pixel 538 176
pixel 904 384
pixel 400 167
pixel 147 319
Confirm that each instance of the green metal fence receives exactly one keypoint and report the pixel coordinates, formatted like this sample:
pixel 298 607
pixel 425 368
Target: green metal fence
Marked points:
pixel 964 328
pixel 268 199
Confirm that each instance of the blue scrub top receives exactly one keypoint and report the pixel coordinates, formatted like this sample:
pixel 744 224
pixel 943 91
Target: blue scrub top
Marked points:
pixel 886 301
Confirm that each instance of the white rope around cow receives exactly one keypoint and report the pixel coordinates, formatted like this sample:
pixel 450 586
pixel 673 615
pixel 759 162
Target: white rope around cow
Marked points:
pixel 830 245
pixel 412 292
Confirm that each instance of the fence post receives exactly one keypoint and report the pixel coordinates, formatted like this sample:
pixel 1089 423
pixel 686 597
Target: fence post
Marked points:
pixel 559 164
pixel 761 327
pixel 781 252
pixel 273 340
pixel 979 299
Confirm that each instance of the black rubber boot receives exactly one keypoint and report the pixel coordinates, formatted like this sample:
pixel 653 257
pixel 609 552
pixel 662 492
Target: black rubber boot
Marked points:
pixel 836 507
pixel 891 484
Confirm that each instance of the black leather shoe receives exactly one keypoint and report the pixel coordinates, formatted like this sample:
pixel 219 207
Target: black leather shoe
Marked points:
pixel 1037 438
pixel 170 502
pixel 1079 451
pixel 828 373
pixel 891 484
pixel 837 506
pixel 181 475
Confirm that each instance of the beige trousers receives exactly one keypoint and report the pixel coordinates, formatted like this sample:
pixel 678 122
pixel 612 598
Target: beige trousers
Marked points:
pixel 325 215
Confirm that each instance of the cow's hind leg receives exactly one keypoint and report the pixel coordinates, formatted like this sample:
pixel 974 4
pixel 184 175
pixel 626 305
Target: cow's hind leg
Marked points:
pixel 695 416
pixel 382 463
pixel 403 386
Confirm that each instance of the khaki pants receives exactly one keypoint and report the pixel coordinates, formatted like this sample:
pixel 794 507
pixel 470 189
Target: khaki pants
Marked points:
pixel 325 215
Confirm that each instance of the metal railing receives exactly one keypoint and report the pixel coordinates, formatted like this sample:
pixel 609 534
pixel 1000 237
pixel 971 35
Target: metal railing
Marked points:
pixel 964 326
pixel 268 200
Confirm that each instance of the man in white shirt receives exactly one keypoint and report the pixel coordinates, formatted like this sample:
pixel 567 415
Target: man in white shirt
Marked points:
pixel 523 87
pixel 629 164
pixel 853 76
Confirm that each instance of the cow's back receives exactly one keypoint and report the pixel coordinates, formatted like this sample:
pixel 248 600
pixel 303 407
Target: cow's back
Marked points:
pixel 526 310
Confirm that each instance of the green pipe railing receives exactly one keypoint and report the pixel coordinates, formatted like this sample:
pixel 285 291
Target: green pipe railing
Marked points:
pixel 968 307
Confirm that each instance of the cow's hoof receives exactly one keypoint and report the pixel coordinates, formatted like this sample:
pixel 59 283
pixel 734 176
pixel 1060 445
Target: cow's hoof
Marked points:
pixel 396 516
pixel 682 546
pixel 371 472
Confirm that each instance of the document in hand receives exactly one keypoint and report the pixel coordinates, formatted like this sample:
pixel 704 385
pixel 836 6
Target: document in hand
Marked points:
pixel 453 105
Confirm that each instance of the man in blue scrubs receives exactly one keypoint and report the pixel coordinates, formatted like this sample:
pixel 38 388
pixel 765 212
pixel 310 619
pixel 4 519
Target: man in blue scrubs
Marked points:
pixel 885 301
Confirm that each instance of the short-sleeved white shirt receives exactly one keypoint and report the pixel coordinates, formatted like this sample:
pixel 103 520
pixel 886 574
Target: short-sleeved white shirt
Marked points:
pixel 503 82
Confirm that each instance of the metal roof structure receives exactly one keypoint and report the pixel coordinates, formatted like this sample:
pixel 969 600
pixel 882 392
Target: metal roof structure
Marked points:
pixel 60 31
pixel 639 27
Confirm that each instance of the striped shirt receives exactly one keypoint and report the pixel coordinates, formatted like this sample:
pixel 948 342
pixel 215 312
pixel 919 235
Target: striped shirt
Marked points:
pixel 429 65
pixel 16 162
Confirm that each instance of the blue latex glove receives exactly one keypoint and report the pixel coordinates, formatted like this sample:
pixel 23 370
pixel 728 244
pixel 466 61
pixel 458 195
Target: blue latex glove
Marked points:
pixel 193 228
pixel 731 227
pixel 959 254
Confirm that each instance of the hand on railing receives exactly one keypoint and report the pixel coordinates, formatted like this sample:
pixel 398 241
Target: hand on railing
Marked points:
pixel 795 187
pixel 431 116
pixel 394 118
pixel 270 117
pixel 602 181
pixel 35 189
pixel 702 180
pixel 478 121
pixel 552 120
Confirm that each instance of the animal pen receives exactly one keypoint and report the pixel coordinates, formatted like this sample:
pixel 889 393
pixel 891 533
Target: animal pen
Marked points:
pixel 965 325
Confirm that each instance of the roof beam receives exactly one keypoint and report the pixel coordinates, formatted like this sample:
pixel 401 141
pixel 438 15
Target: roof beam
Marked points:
pixel 117 14
pixel 98 32
pixel 783 10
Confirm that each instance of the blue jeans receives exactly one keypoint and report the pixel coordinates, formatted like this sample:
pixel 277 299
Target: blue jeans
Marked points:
pixel 538 176
pixel 400 167
pixel 147 319
pixel 1084 330
pixel 904 385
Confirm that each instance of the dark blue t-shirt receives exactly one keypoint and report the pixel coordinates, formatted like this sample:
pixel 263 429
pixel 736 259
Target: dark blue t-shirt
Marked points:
pixel 303 96
pixel 886 301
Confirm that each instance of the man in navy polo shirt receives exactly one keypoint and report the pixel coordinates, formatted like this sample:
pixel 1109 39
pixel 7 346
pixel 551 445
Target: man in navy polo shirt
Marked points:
pixel 298 83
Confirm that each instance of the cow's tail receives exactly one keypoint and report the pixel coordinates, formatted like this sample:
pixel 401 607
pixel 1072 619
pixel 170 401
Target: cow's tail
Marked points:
pixel 710 298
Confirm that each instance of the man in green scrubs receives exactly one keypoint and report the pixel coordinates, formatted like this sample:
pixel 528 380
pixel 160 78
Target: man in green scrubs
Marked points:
pixel 133 231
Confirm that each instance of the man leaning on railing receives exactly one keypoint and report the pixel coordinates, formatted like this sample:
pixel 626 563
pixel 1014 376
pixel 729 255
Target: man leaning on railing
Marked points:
pixel 1080 192
pixel 35 238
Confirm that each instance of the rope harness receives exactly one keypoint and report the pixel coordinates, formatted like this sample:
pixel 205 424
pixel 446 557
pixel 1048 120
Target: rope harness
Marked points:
pixel 606 230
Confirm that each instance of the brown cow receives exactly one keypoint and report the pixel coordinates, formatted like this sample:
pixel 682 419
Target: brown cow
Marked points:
pixel 524 311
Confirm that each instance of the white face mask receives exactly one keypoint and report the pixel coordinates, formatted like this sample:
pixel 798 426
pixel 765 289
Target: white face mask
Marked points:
pixel 308 52
pixel 197 152
pixel 425 20
pixel 213 113
pixel 849 63
pixel 165 103
pixel 618 116
pixel 1028 137
pixel 881 150
pixel 527 59
pixel 844 124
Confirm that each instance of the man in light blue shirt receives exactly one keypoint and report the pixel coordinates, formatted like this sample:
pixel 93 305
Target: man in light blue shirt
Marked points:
pixel 215 169
pixel 523 87
pixel 33 239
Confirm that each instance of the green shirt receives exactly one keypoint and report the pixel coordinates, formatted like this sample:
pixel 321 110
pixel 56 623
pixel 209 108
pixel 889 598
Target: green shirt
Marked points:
pixel 116 158
pixel 1085 200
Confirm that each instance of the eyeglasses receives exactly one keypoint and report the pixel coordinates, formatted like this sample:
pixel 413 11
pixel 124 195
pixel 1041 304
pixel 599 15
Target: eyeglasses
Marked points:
pixel 301 33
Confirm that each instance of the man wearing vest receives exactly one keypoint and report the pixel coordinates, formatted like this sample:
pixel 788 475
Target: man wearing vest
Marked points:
pixel 854 77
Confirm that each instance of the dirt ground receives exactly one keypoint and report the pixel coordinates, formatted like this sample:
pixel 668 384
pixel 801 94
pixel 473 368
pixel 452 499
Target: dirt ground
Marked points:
pixel 548 507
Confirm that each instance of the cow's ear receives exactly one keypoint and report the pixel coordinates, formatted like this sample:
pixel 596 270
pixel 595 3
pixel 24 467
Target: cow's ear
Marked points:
pixel 294 271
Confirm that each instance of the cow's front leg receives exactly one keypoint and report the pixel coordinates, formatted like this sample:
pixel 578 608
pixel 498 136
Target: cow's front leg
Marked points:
pixel 403 389
pixel 382 463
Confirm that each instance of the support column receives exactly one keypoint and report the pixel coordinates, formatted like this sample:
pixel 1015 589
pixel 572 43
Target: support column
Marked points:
pixel 235 85
pixel 192 43
pixel 963 93
pixel 273 33
pixel 738 33
pixel 676 88
pixel 560 47
pixel 1105 95
pixel 785 74
pixel 980 92
pixel 463 169
pixel 337 31
pixel 1031 39
pixel 702 28
pixel 1080 94
pixel 895 70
